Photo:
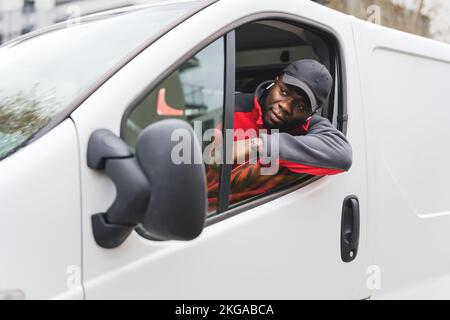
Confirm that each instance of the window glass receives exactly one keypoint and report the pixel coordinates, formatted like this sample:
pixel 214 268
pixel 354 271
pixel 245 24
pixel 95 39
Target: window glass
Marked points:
pixel 194 93
pixel 41 75
pixel 263 49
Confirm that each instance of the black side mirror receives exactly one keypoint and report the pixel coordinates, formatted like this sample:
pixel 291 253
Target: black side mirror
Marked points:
pixel 177 208
pixel 163 198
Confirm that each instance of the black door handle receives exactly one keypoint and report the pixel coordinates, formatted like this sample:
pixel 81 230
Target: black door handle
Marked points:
pixel 350 228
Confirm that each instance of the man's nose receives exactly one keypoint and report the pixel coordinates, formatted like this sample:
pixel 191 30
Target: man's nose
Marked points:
pixel 286 106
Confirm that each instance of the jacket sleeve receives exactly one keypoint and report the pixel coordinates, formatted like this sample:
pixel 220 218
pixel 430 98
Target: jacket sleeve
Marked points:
pixel 324 150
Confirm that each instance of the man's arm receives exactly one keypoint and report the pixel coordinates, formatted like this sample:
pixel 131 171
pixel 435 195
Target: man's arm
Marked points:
pixel 324 150
pixel 246 148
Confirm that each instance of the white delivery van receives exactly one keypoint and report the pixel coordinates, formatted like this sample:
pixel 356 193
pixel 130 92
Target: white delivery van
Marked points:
pixel 91 207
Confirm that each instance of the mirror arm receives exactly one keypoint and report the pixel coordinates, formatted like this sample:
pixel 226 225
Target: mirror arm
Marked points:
pixel 108 153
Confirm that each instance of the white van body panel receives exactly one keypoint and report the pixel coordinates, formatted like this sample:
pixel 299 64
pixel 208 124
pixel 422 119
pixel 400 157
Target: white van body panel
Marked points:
pixel 285 248
pixel 40 228
pixel 407 113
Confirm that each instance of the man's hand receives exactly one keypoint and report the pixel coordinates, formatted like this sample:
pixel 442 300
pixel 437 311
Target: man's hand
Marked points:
pixel 246 149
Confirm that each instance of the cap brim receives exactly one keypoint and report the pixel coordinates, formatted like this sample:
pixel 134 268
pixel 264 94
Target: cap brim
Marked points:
pixel 285 78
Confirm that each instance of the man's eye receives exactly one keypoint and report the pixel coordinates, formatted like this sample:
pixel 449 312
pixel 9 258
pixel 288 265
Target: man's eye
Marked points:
pixel 283 92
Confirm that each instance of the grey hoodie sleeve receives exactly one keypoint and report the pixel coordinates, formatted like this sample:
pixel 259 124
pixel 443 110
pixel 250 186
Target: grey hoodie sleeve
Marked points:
pixel 322 147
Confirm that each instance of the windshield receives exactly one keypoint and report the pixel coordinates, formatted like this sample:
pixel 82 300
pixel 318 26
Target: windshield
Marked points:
pixel 41 75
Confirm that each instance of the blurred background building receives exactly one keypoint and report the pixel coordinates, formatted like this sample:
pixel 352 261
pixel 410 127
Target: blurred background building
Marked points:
pixel 428 18
pixel 391 14
pixel 18 17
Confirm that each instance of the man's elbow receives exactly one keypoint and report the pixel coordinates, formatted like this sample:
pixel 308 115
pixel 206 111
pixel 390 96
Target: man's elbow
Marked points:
pixel 346 158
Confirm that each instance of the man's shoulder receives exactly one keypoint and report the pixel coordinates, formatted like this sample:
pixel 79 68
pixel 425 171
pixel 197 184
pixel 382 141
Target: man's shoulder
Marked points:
pixel 243 102
pixel 317 119
pixel 319 123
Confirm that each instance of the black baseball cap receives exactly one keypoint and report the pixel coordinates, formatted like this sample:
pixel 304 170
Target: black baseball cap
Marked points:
pixel 311 77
